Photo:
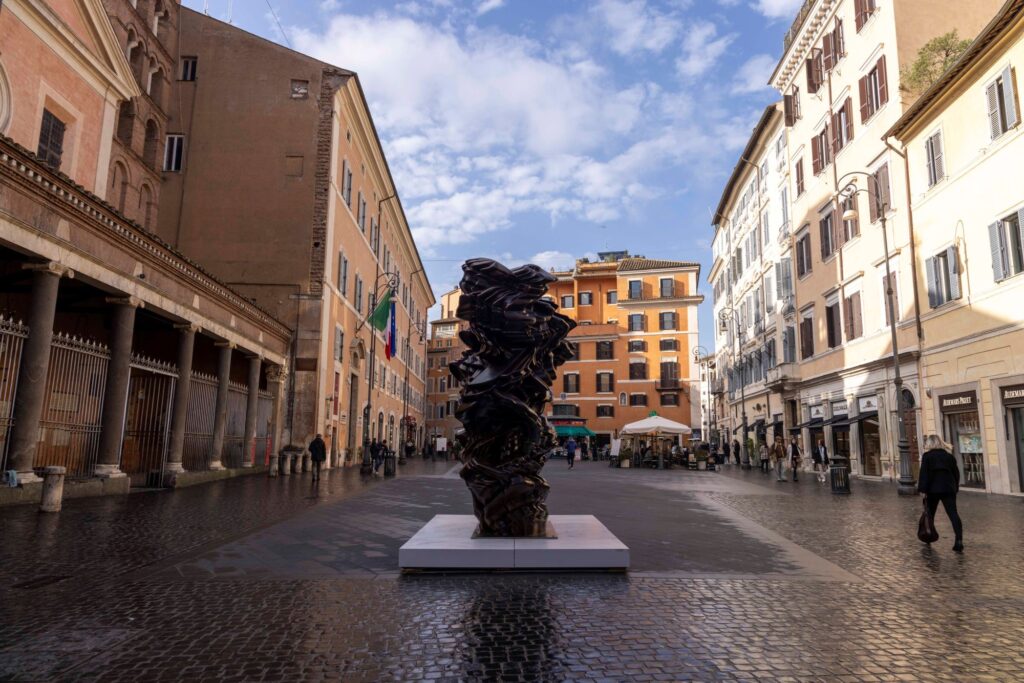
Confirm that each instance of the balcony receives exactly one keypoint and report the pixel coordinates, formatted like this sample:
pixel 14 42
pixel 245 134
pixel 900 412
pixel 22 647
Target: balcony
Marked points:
pixel 669 384
pixel 717 386
pixel 782 376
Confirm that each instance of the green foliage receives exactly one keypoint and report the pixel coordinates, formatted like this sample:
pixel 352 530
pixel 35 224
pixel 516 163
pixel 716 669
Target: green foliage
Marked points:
pixel 933 59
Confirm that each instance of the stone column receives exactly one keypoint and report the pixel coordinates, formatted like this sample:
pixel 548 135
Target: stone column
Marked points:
pixel 276 376
pixel 220 419
pixel 250 411
pixel 34 368
pixel 119 372
pixel 186 343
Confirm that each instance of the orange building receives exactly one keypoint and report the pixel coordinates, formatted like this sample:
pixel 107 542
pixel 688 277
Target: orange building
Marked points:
pixel 635 339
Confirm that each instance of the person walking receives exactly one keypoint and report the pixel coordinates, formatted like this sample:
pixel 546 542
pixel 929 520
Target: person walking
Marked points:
pixel 763 455
pixel 794 457
pixel 939 482
pixel 725 452
pixel 382 452
pixel 570 452
pixel 779 459
pixel 819 456
pixel 736 450
pixel 317 454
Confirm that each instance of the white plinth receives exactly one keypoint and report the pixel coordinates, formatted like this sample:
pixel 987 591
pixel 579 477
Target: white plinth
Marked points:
pixel 446 542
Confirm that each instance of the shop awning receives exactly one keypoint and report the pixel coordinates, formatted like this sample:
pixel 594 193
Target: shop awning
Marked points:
pixel 816 422
pixel 872 415
pixel 573 430
pixel 839 420
pixel 758 426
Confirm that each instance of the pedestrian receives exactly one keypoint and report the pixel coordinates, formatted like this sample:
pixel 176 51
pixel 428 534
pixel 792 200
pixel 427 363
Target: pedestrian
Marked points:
pixel 570 452
pixel 762 453
pixel 409 449
pixel 382 452
pixel 584 447
pixel 819 456
pixel 725 452
pixel 779 458
pixel 736 450
pixel 317 454
pixel 939 482
pixel 794 456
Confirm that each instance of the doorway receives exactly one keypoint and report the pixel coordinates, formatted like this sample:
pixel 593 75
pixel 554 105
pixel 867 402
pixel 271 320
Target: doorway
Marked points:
pixel 353 412
pixel 1017 420
pixel 147 427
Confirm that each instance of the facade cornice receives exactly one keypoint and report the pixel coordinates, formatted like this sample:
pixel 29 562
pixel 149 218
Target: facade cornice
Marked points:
pixel 799 40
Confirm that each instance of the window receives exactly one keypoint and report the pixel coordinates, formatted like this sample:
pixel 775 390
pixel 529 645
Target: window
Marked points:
pixel 766 236
pixel 637 345
pixel 825 232
pixel 874 90
pixel 586 299
pixel 567 301
pixel 174 153
pixel 886 284
pixel 833 46
pixel 821 153
pixel 339 343
pixel 636 289
pixel 638 370
pixel 575 351
pixel 668 345
pixel 342 274
pixel 815 71
pixel 637 322
pixel 571 383
pixel 346 183
pixel 851 228
pixel 789 344
pixel 669 374
pixel 565 410
pixel 803 255
pixel 670 399
pixel 1006 239
pixel 359 294
pixel 791 107
pixel 1001 98
pixel 807 335
pixel 668 287
pixel 784 278
pixel 51 140
pixel 832 322
pixel 799 176
pixel 188 68
pixel 933 154
pixel 612 297
pixel 862 10
pixel 361 214
pixel 442 384
pixel 605 411
pixel 943 273
pixel 605 382
pixel 879 192
pixel 300 90
pixel 853 322
pixel 605 350
pixel 638 399
pixel 667 320
pixel 784 206
pixel 842 126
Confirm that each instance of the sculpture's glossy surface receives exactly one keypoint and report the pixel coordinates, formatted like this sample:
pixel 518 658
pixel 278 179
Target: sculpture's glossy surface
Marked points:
pixel 516 339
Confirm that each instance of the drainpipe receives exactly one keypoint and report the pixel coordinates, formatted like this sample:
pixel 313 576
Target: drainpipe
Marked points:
pixel 913 243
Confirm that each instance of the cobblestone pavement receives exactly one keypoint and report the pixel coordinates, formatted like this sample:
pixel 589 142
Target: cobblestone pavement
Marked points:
pixel 734 578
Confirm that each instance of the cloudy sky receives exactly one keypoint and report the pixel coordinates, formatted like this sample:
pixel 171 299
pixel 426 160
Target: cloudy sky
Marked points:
pixel 547 130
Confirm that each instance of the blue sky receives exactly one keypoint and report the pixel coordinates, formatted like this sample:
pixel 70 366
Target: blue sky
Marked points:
pixel 547 130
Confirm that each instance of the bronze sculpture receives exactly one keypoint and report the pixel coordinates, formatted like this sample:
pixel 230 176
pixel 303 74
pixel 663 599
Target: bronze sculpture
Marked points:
pixel 515 341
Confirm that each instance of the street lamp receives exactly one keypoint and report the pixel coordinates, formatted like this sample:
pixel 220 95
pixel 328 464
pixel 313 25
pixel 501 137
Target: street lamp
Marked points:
pixel 727 315
pixel 390 281
pixel 906 484
pixel 421 329
pixel 700 352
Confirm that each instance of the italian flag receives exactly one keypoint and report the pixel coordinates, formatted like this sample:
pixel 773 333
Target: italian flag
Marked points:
pixel 383 319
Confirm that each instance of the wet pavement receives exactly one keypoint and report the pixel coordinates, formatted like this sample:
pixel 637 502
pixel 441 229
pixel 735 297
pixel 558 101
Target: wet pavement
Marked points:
pixel 734 578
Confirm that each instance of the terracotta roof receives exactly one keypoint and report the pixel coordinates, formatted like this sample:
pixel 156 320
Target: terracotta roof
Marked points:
pixel 1011 13
pixel 632 263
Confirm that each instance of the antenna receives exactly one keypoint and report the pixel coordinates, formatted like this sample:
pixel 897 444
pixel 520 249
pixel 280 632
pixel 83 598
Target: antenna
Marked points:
pixel 206 7
pixel 231 4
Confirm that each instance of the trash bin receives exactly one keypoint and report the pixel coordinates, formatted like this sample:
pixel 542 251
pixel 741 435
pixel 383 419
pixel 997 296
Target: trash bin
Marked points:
pixel 390 464
pixel 839 474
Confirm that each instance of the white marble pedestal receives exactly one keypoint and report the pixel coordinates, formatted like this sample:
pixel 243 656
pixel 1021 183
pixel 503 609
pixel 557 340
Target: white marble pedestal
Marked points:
pixel 446 543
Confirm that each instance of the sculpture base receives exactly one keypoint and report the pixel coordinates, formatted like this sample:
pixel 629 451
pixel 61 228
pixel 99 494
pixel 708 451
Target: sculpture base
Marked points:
pixel 446 543
pixel 549 532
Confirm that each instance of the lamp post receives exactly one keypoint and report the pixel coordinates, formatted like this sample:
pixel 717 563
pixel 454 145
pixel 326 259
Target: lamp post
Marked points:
pixel 906 482
pixel 727 315
pixel 700 352
pixel 390 280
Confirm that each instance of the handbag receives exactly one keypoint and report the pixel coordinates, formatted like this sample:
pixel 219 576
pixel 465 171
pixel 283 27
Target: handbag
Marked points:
pixel 926 532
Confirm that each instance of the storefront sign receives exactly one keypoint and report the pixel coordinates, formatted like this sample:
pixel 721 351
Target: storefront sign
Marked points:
pixel 1014 394
pixel 958 403
pixel 840 408
pixel 867 404
pixel 817 412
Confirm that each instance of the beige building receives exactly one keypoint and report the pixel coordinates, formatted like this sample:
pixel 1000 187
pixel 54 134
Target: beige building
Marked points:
pixel 444 347
pixel 840 79
pixel 276 182
pixel 964 142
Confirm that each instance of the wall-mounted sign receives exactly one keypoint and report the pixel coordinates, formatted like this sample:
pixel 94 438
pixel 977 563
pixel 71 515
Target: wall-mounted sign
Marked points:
pixel 840 408
pixel 958 403
pixel 1013 394
pixel 867 404
pixel 817 412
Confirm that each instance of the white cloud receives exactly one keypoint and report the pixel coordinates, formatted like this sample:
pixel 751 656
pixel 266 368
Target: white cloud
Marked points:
pixel 553 260
pixel 488 5
pixel 636 27
pixel 754 74
pixel 702 47
pixel 778 9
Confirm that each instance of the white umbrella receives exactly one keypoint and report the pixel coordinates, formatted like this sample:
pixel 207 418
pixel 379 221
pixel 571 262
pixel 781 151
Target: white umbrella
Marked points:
pixel 655 425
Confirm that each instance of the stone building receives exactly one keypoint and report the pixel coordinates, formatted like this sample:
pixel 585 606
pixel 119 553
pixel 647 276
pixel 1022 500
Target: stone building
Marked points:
pixel 444 347
pixel 637 328
pixel 839 76
pixel 113 360
pixel 963 140
pixel 279 186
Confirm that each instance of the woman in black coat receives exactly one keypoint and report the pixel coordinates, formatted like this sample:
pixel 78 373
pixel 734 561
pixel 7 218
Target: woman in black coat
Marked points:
pixel 939 481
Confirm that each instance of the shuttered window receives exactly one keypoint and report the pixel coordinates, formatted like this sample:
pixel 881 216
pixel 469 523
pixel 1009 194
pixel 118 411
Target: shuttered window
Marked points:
pixel 1006 239
pixel 51 140
pixel 638 399
pixel 1001 98
pixel 637 345
pixel 821 152
pixel 789 344
pixel 606 411
pixel 933 152
pixel 799 176
pixel 638 370
pixel 586 298
pixel 346 182
pixel 803 255
pixel 667 321
pixel 605 382
pixel 605 350
pixel 815 71
pixel 566 301
pixel 826 233
pixel 852 320
pixel 342 274
pixel 668 345
pixel 670 399
pixel 842 125
pixel 943 274
pixel 881 199
pixel 832 329
pixel 863 9
pixel 637 322
pixel 612 297
pixel 807 337
pixel 571 383
pixel 873 90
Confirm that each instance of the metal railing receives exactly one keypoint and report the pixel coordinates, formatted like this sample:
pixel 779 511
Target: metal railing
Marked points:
pixel 69 430
pixel 264 418
pixel 147 424
pixel 234 439
pixel 669 383
pixel 12 339
pixel 200 416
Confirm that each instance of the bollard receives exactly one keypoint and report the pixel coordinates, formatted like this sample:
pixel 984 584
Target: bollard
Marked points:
pixel 272 469
pixel 305 462
pixel 53 489
pixel 283 462
pixel 295 462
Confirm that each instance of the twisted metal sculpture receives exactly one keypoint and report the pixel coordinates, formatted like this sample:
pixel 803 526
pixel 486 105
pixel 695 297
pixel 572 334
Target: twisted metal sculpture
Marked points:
pixel 515 341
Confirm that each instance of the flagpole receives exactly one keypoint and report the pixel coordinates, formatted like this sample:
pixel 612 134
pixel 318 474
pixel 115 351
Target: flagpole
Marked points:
pixel 366 466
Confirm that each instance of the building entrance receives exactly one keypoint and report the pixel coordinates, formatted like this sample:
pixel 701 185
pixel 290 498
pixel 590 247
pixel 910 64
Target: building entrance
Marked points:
pixel 962 428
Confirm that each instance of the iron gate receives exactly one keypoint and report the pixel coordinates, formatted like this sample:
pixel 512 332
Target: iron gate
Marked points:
pixel 199 420
pixel 12 338
pixel 69 431
pixel 264 410
pixel 148 421
pixel 234 438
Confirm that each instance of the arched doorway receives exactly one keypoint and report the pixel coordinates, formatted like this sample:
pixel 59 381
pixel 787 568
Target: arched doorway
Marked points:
pixel 149 151
pixel 379 433
pixel 910 405
pixel 391 432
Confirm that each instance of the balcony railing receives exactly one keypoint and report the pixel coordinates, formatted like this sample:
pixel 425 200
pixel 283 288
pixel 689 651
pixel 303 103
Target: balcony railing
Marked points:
pixel 653 296
pixel 665 384
pixel 781 375
pixel 717 385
